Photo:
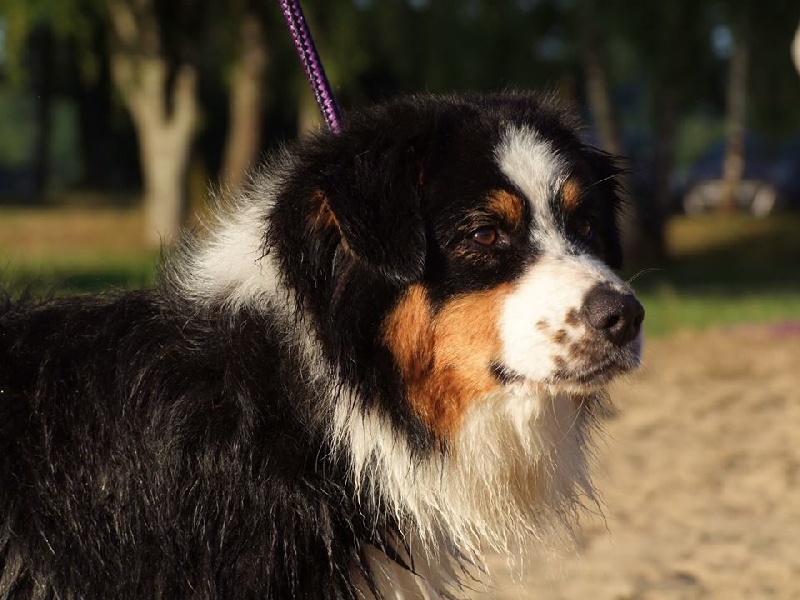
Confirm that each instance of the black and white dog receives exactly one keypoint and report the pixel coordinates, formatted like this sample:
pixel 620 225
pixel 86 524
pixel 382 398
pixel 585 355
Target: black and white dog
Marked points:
pixel 381 362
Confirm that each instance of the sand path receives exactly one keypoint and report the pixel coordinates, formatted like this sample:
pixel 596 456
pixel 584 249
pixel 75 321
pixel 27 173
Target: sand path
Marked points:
pixel 700 474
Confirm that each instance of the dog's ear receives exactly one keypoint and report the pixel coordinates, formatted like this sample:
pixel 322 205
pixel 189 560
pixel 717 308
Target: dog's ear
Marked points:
pixel 372 192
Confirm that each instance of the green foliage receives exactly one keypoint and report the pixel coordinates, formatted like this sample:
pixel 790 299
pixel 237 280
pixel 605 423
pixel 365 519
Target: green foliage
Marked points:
pixel 696 133
pixel 18 131
pixel 17 128
pixel 68 19
pixel 774 84
pixel 64 145
pixel 659 54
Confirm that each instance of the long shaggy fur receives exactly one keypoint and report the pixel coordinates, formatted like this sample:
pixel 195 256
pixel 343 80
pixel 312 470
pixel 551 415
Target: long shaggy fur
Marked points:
pixel 340 387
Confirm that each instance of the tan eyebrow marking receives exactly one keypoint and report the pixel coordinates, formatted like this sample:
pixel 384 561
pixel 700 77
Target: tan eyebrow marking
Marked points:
pixel 507 205
pixel 571 193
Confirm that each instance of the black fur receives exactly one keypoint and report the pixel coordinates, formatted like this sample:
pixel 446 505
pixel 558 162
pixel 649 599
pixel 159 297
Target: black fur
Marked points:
pixel 153 447
pixel 149 452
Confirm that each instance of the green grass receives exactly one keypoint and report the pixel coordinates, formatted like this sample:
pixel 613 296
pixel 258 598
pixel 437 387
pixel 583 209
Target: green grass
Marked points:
pixel 82 274
pixel 669 309
pixel 725 271
pixel 74 249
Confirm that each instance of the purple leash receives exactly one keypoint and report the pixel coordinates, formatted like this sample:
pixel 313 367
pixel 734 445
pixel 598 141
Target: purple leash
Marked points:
pixel 311 63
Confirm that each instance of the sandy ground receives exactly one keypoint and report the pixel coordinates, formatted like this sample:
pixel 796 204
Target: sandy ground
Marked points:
pixel 700 475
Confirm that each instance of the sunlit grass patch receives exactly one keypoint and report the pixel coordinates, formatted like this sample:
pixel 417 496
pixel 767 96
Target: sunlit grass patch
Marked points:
pixel 725 271
pixel 85 273
pixel 735 240
pixel 28 234
pixel 670 310
pixel 74 250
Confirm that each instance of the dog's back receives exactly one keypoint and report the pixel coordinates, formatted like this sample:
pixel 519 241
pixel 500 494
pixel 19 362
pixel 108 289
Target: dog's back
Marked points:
pixel 147 452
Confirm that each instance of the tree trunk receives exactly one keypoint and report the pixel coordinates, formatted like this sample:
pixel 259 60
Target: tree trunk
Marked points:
pixel 598 92
pixel 796 49
pixel 733 164
pixel 246 104
pixel 93 96
pixel 665 108
pixel 42 41
pixel 164 116
pixel 640 249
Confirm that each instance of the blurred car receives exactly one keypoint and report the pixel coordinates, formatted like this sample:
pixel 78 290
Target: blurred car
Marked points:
pixel 771 179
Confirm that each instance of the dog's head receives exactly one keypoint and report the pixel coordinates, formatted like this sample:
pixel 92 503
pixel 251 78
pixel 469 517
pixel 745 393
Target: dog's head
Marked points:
pixel 453 259
pixel 471 242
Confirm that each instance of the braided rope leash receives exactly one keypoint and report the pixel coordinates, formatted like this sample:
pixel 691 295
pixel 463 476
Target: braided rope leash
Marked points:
pixel 312 64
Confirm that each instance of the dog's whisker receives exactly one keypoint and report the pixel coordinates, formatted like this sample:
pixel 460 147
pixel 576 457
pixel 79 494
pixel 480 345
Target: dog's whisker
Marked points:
pixel 638 274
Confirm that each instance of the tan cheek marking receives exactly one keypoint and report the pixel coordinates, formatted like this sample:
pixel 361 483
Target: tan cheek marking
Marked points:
pixel 508 206
pixel 571 194
pixel 408 334
pixel 445 360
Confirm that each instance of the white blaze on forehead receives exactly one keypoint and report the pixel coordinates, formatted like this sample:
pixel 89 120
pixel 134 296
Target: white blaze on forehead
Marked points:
pixel 532 164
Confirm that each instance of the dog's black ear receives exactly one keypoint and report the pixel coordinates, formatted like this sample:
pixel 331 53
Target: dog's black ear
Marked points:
pixel 372 191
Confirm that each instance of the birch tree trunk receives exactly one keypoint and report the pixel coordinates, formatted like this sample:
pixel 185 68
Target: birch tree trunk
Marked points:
pixel 162 100
pixel 246 103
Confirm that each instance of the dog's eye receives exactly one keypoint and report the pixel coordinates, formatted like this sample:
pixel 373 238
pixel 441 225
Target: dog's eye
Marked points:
pixel 485 236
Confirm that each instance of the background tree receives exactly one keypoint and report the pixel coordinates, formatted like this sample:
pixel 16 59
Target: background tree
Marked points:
pixel 246 74
pixel 152 62
pixel 592 33
pixel 35 32
pixel 671 77
pixel 220 82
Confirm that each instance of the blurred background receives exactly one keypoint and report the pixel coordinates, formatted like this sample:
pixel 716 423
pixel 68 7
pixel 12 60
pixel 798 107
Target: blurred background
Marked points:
pixel 120 118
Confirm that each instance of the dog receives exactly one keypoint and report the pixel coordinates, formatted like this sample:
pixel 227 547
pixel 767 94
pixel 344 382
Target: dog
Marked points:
pixel 382 361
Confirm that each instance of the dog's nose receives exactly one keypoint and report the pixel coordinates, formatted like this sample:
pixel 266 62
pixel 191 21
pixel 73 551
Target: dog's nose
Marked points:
pixel 616 315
